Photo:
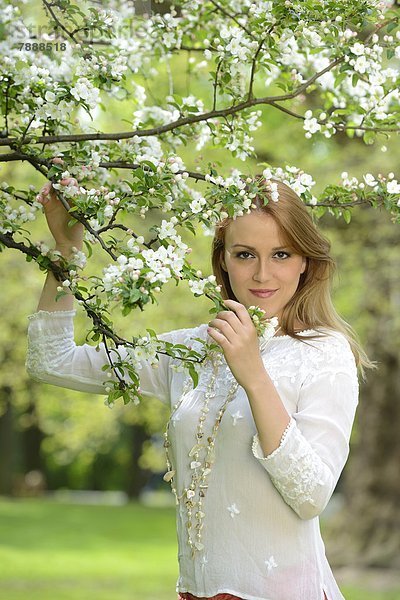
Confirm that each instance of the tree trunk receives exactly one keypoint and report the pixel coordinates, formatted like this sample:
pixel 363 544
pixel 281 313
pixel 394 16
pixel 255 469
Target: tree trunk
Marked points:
pixel 32 438
pixel 367 531
pixel 7 441
pixel 137 477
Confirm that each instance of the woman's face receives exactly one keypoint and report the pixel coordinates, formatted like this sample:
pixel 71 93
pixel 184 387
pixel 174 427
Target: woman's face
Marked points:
pixel 262 269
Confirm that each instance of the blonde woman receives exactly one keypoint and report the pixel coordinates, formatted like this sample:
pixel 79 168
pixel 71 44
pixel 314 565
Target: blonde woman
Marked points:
pixel 254 452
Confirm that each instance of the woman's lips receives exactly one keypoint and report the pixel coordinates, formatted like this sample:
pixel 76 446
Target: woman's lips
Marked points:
pixel 263 293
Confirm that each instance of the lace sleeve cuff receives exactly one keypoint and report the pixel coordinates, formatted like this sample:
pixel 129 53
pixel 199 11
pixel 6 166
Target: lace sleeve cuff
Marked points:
pixel 258 451
pixel 297 472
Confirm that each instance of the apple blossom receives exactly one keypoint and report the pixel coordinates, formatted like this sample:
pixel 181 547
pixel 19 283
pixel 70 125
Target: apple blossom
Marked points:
pixel 348 63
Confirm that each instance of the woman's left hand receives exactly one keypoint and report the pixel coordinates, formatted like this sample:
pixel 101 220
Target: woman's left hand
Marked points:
pixel 234 331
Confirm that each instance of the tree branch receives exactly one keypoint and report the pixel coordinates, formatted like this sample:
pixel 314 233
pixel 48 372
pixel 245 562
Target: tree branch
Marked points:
pixel 155 131
pixel 49 6
pixel 215 85
pixel 7 105
pixel 61 274
pixel 253 67
pixel 12 156
pixel 233 17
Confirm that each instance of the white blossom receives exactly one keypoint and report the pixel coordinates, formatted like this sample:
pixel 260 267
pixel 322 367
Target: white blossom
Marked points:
pixel 370 180
pixel 393 187
pixel 197 286
pixel 84 90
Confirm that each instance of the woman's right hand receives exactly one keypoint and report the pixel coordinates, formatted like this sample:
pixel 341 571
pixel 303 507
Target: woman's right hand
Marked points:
pixel 57 217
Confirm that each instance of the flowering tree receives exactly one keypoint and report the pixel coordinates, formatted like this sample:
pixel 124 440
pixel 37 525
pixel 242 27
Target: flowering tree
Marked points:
pixel 246 54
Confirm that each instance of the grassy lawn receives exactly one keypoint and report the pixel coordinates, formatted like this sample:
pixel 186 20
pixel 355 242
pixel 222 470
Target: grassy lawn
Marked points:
pixel 52 551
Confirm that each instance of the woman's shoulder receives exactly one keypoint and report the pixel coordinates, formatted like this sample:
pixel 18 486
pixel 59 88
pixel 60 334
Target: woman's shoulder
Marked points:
pixel 327 349
pixel 319 338
pixel 316 347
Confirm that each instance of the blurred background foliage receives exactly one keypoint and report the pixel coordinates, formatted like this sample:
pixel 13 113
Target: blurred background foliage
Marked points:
pixel 71 440
pixel 71 437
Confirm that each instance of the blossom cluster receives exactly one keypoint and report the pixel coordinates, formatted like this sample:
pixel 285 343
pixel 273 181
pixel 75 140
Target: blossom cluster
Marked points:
pixel 299 181
pixel 380 183
pixel 138 274
pixel 201 285
pixel 344 53
pixel 13 217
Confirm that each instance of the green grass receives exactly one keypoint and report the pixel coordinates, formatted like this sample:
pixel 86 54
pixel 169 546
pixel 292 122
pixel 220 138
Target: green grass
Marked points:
pixel 52 551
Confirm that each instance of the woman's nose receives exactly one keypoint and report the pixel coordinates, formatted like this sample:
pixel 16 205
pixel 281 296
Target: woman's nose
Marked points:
pixel 262 271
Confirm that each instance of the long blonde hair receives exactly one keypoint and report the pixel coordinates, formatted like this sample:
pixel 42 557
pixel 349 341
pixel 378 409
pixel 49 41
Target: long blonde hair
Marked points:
pixel 312 303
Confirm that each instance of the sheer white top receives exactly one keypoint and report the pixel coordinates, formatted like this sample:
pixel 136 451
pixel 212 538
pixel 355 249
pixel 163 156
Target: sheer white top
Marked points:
pixel 261 530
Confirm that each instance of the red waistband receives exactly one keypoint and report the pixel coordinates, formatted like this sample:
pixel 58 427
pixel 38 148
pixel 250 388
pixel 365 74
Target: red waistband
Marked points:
pixel 189 596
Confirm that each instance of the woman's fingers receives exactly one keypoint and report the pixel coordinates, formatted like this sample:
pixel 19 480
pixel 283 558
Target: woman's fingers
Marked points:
pixel 222 327
pixel 239 310
pixel 43 195
pixel 47 190
pixel 231 318
pixel 68 181
pixel 218 337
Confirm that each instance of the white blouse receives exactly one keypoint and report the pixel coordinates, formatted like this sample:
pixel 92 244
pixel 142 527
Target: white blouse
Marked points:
pixel 261 532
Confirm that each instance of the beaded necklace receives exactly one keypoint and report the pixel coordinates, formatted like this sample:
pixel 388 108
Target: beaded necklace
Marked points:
pixel 202 457
pixel 202 454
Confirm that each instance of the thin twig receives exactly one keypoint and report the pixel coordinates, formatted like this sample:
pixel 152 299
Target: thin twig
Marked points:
pixel 233 17
pixel 7 107
pixel 253 69
pixel 215 85
pixel 48 6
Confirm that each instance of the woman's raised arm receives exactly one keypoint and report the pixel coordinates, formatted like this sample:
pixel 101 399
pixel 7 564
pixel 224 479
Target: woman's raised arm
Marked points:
pixel 65 238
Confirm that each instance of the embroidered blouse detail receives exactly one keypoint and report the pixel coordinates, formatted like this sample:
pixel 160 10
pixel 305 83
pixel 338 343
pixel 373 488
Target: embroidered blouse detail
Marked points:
pixel 235 417
pixel 271 565
pixel 233 510
pixel 230 495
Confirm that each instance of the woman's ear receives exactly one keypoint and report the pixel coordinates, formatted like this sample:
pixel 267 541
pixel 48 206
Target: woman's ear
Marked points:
pixel 304 264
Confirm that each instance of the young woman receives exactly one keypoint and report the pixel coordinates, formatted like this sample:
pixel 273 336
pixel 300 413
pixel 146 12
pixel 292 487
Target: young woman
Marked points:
pixel 254 452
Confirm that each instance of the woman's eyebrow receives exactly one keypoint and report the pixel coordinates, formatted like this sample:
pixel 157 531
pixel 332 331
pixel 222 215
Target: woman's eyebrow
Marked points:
pixel 254 249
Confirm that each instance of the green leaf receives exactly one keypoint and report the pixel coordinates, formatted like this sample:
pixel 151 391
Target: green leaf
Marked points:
pixel 392 26
pixel 194 375
pixel 134 295
pixel 190 226
pixel 149 164
pixel 319 211
pixel 88 248
pixel 346 215
pixel 126 398
pixel 369 137
pixel 341 77
pixel 60 295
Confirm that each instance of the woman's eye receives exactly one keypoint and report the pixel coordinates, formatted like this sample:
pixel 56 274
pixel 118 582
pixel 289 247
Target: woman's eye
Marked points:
pixel 282 255
pixel 244 254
